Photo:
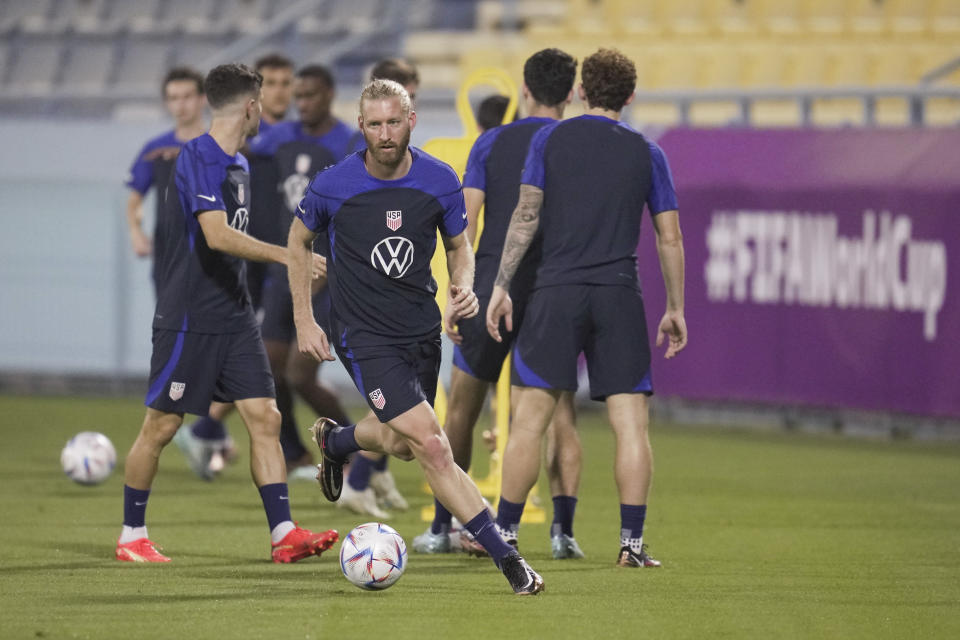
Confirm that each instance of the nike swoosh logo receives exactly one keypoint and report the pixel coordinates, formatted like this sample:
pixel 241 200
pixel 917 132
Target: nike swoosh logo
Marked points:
pixel 139 504
pixel 464 215
pixel 284 498
pixel 210 198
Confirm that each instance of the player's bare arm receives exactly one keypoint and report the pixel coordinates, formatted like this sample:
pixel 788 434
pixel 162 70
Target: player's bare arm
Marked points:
pixel 520 233
pixel 474 199
pixel 462 301
pixel 672 326
pixel 223 237
pixel 140 241
pixel 311 340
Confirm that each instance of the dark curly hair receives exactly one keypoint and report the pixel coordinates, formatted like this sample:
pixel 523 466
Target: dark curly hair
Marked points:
pixel 609 78
pixel 226 83
pixel 549 74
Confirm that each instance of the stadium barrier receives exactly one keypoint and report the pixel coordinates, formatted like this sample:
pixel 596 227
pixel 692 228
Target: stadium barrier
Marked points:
pixel 822 268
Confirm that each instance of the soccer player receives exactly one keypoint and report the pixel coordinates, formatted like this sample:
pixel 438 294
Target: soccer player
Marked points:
pixel 493 178
pixel 382 208
pixel 589 178
pixel 184 100
pixel 276 95
pixel 299 149
pixel 369 482
pixel 289 153
pixel 277 90
pixel 206 343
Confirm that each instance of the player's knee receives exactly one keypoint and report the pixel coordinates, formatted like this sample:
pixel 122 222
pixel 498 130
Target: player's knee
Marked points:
pixel 435 452
pixel 160 428
pixel 265 423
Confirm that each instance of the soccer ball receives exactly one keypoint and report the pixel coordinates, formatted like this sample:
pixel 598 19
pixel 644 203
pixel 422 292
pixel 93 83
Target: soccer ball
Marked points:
pixel 88 458
pixel 373 556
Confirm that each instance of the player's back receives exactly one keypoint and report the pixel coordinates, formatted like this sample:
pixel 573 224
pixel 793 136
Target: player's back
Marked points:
pixel 596 174
pixel 495 167
pixel 198 288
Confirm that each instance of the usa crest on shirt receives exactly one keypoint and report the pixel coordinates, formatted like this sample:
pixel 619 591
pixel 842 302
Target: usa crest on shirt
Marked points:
pixel 394 220
pixel 376 397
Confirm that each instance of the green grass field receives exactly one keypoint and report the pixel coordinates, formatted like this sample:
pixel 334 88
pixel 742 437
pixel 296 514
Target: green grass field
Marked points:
pixel 761 535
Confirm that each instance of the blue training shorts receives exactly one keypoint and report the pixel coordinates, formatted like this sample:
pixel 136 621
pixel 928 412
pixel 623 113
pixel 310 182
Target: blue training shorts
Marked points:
pixel 394 378
pixel 605 322
pixel 188 370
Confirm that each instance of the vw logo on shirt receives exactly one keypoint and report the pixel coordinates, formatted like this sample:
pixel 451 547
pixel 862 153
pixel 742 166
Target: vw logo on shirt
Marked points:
pixel 392 256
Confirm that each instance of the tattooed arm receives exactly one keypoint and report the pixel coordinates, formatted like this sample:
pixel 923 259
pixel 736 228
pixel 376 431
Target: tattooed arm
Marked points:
pixel 523 226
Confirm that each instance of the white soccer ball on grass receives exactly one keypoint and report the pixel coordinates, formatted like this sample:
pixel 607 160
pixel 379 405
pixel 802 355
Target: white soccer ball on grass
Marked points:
pixel 88 458
pixel 373 556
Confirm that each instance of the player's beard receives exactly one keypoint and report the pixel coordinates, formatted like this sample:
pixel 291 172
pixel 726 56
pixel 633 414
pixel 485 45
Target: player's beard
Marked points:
pixel 392 156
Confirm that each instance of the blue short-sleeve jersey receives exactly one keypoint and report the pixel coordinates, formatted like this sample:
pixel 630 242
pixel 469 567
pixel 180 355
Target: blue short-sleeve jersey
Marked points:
pixel 154 162
pixel 597 174
pixel 495 166
pixel 200 289
pixel 382 236
pixel 337 141
pixel 297 157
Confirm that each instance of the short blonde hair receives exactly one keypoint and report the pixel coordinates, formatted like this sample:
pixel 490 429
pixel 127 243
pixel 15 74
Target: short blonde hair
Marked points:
pixel 381 88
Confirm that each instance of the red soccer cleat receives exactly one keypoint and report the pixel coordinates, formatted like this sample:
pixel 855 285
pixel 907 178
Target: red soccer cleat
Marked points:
pixel 140 550
pixel 303 543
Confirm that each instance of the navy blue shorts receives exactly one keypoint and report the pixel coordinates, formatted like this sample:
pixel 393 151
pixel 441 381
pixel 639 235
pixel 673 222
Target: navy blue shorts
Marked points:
pixel 606 323
pixel 278 322
pixel 480 355
pixel 188 370
pixel 394 379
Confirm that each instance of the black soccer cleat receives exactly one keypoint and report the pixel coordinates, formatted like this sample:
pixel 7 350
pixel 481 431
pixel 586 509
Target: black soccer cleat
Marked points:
pixel 524 580
pixel 629 558
pixel 330 469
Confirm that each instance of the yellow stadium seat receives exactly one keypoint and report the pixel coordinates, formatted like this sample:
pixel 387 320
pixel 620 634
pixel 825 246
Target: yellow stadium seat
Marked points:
pixel 685 17
pixel 946 18
pixel 722 67
pixel 719 113
pixel 890 66
pixel 764 66
pixel 736 18
pixel 909 17
pixel 942 112
pixel 631 19
pixel 868 17
pixel 806 67
pixel 825 17
pixel 780 17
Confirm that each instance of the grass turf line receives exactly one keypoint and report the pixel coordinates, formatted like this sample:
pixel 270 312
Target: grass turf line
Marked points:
pixel 761 535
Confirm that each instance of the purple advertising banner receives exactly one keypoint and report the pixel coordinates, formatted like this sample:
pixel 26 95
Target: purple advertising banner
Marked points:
pixel 822 268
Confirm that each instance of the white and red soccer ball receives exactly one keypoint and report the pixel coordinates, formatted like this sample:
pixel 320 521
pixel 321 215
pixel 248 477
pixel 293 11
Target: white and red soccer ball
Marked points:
pixel 373 556
pixel 88 458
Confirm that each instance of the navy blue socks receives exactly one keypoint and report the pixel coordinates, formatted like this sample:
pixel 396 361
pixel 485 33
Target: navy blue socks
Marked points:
pixel 276 502
pixel 134 506
pixel 485 532
pixel 441 518
pixel 563 510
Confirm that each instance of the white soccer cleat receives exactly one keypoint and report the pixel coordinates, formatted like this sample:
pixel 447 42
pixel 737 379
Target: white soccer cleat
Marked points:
pixel 198 452
pixel 361 502
pixel 385 489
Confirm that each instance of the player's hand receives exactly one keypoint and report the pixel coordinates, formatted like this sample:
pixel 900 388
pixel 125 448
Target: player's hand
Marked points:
pixel 141 243
pixel 319 266
pixel 450 325
pixel 501 306
pixel 674 327
pixel 464 302
pixel 312 341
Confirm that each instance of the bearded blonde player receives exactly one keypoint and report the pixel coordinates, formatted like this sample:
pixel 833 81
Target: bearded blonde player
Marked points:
pixel 381 208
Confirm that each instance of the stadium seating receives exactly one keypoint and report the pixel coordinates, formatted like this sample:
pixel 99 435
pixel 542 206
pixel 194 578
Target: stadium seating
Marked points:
pixel 73 48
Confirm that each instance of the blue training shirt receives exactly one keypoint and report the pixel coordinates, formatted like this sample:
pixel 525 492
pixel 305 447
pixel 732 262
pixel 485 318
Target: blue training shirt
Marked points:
pixel 495 166
pixel 200 289
pixel 337 140
pixel 596 175
pixel 382 236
